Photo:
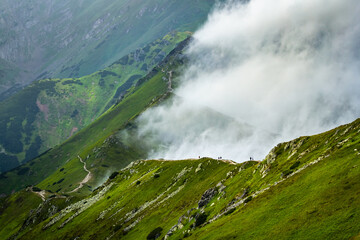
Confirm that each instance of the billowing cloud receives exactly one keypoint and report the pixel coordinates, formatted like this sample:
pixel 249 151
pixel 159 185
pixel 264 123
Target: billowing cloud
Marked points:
pixel 260 73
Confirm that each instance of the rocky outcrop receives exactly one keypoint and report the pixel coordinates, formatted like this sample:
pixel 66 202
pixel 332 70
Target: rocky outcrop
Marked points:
pixel 207 196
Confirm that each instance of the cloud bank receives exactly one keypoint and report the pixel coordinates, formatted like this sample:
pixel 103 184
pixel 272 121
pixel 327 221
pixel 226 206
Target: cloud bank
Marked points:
pixel 261 73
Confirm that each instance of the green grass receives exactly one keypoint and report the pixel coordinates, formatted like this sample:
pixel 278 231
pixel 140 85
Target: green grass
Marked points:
pixel 15 210
pixel 319 201
pixel 68 105
pixel 128 195
pixel 93 142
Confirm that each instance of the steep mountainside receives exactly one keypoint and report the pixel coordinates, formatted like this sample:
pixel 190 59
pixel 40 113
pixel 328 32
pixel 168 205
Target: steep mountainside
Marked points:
pixel 49 111
pixel 9 72
pixel 73 38
pixel 100 144
pixel 307 188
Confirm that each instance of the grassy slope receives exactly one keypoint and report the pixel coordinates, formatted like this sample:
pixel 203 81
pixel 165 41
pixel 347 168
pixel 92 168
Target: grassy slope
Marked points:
pixel 320 202
pixel 99 90
pixel 127 195
pixel 305 189
pixel 14 210
pixel 96 144
pixel 71 104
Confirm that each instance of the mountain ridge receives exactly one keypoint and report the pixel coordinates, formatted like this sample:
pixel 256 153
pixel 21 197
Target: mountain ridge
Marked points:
pixel 204 198
pixel 101 138
pixel 49 111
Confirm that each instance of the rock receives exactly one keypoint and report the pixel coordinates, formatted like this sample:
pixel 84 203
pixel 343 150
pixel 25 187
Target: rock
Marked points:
pixel 245 193
pixel 270 158
pixel 198 168
pixel 207 196
pixel 220 186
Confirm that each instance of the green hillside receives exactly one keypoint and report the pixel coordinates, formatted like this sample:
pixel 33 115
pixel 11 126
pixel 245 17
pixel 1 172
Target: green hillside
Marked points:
pixel 49 111
pixel 99 144
pixel 307 188
pixel 74 38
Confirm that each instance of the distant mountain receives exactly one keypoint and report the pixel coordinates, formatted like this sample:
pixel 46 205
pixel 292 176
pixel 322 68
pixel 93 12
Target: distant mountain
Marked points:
pixel 72 38
pixel 49 111
pixel 100 144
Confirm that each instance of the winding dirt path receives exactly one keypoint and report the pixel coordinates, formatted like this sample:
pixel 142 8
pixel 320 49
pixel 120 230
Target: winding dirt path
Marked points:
pixel 86 179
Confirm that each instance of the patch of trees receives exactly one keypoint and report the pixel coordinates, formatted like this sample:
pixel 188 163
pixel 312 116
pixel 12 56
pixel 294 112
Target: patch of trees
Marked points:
pixel 201 219
pixel 113 175
pixel 66 82
pixel 17 115
pixel 74 113
pixel 147 48
pixel 105 73
pixel 123 88
pixel 154 234
pixel 23 171
pixel 144 67
pixel 33 150
pixel 36 189
pixel 101 82
pixel 7 162
pixel 123 61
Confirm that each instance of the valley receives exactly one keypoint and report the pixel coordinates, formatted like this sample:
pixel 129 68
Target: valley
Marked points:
pixel 113 113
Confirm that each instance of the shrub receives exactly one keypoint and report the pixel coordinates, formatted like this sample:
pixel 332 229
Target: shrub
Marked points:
pixel 36 189
pixel 295 165
pixel 286 173
pixel 113 175
pixel 117 228
pixel 138 182
pixel 23 171
pixel 154 234
pixel 230 211
pixel 248 199
pixel 61 180
pixel 200 219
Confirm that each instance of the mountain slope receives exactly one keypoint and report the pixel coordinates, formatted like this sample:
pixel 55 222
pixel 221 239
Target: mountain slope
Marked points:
pixel 73 38
pixel 49 111
pixel 304 189
pixel 9 72
pixel 98 143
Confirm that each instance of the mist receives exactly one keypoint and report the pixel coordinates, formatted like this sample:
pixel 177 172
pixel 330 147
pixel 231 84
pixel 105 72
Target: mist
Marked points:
pixel 261 73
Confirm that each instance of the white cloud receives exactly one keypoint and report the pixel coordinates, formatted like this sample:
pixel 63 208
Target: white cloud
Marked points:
pixel 285 67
